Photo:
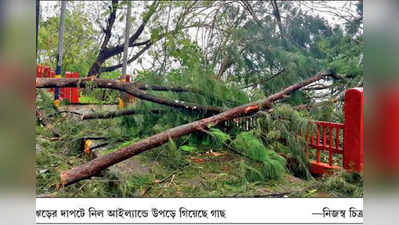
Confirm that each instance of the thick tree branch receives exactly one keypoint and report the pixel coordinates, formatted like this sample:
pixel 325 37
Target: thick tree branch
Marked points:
pixel 110 24
pixel 125 87
pixel 101 57
pixel 73 82
pixel 108 52
pixel 112 68
pixel 119 48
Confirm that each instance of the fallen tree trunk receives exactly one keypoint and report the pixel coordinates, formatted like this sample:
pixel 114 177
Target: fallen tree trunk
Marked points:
pixel 95 166
pixel 65 111
pixel 125 87
pixel 110 115
pixel 73 82
pixel 46 123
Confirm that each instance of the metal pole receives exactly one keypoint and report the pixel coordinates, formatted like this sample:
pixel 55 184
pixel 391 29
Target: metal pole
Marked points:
pixel 60 45
pixel 37 23
pixel 126 46
pixel 125 50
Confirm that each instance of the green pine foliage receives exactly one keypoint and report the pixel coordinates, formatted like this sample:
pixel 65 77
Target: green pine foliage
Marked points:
pixel 219 138
pixel 343 184
pixel 281 130
pixel 267 163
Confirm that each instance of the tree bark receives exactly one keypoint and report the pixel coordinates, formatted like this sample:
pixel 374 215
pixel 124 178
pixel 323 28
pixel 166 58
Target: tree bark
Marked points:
pixel 130 88
pixel 126 45
pixel 73 82
pixel 110 115
pixel 44 121
pixel 95 166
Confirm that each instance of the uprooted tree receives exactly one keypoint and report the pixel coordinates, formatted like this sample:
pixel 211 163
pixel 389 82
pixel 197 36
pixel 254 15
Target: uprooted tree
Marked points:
pixel 95 166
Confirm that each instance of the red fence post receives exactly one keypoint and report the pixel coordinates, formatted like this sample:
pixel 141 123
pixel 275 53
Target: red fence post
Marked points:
pixel 75 90
pixel 38 68
pixel 68 90
pixel 130 98
pixel 52 75
pixel 62 92
pixel 353 130
pixel 46 72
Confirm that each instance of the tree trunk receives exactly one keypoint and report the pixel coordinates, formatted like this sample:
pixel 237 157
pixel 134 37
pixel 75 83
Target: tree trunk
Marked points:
pixel 95 166
pixel 73 82
pixel 126 44
pixel 123 76
pixel 95 68
pixel 129 88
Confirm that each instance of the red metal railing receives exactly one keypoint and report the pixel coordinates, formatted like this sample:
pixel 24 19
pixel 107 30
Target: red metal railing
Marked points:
pixel 75 92
pixel 342 142
pixel 327 138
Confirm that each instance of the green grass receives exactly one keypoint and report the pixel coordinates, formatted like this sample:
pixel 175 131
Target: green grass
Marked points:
pixel 215 176
pixel 88 100
pixel 185 167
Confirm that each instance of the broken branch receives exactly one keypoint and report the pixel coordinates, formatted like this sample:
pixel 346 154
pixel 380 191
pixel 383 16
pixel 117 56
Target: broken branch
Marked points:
pixel 46 123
